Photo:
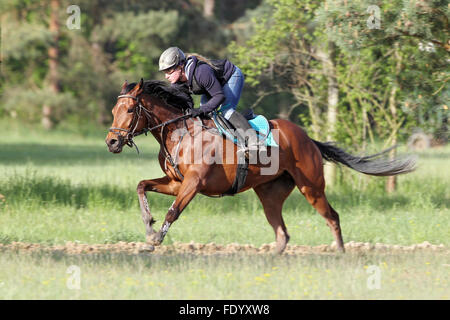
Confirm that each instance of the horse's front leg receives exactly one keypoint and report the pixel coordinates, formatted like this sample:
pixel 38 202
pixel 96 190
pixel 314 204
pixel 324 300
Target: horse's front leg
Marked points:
pixel 188 189
pixel 163 185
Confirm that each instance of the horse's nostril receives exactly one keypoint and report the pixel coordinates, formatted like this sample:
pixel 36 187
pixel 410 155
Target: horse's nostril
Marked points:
pixel 112 142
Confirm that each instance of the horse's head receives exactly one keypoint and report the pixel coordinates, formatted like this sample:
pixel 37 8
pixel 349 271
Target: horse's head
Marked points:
pixel 128 117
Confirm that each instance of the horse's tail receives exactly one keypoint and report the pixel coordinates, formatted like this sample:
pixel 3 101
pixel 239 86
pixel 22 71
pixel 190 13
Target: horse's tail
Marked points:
pixel 368 164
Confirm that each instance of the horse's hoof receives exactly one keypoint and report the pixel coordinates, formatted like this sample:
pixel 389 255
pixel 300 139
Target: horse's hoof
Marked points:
pixel 154 239
pixel 147 248
pixel 340 250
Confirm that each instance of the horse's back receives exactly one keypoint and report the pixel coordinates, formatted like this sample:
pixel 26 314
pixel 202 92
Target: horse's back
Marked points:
pixel 291 135
pixel 297 149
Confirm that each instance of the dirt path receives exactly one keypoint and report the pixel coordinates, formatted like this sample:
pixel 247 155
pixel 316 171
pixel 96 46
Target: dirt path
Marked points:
pixel 212 248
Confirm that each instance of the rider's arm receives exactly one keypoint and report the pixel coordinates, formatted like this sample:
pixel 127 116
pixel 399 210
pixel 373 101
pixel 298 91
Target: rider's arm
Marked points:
pixel 207 79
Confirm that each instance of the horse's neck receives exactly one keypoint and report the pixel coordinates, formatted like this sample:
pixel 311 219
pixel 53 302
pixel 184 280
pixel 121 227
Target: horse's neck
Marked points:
pixel 161 113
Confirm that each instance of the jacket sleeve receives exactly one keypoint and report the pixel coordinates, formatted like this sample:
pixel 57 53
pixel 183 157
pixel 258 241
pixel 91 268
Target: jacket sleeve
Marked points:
pixel 207 79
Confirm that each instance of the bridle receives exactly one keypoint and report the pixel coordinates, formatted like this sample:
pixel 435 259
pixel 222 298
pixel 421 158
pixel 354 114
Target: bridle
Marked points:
pixel 131 131
pixel 138 112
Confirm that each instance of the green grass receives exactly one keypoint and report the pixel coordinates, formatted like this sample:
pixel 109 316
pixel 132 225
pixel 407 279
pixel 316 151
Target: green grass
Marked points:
pixel 65 186
pixel 119 276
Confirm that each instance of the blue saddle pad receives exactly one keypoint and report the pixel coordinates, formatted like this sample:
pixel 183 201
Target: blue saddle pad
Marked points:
pixel 259 123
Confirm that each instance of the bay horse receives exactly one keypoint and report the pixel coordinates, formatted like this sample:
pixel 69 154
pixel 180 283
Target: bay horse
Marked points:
pixel 159 108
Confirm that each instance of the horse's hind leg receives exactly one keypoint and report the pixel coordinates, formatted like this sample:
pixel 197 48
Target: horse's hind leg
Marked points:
pixel 307 172
pixel 272 195
pixel 319 201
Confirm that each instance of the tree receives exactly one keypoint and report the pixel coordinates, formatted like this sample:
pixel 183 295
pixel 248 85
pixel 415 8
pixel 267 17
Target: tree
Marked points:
pixel 396 30
pixel 53 63
pixel 353 24
pixel 54 73
pixel 287 44
pixel 31 60
pixel 281 51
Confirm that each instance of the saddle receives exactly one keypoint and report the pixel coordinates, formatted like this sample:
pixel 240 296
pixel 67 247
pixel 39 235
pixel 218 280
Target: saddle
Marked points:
pixel 229 129
pixel 259 123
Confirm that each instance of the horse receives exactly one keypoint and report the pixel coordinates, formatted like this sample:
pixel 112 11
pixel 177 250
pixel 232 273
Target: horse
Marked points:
pixel 160 108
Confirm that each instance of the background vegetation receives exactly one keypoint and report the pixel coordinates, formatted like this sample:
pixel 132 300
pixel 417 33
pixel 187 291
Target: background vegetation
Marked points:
pixel 343 71
pixel 324 65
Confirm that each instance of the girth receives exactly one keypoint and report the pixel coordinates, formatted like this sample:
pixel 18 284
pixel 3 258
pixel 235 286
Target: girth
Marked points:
pixel 243 162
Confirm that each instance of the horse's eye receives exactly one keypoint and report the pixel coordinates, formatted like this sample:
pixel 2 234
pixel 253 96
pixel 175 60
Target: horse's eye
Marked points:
pixel 131 110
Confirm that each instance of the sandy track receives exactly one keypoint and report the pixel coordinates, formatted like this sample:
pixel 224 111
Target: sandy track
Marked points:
pixel 212 248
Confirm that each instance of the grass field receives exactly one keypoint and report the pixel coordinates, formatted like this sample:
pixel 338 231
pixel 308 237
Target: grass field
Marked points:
pixel 109 276
pixel 65 186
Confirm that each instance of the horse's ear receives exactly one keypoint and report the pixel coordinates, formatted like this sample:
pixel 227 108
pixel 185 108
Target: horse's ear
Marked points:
pixel 124 87
pixel 139 87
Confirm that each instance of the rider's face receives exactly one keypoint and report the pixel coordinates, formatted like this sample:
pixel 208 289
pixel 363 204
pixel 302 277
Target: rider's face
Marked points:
pixel 174 74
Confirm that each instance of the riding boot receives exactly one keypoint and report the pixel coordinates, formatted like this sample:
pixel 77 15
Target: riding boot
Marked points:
pixel 244 131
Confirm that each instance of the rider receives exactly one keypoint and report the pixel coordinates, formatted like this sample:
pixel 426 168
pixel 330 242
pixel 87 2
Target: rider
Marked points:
pixel 220 85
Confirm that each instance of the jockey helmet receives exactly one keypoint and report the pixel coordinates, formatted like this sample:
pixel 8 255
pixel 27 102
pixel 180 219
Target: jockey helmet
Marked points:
pixel 171 57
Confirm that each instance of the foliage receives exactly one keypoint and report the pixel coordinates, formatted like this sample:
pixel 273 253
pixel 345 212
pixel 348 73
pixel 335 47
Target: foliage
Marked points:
pixel 20 103
pixel 420 30
pixel 383 92
pixel 362 23
pixel 282 24
pixel 279 44
pixel 118 40
pixel 137 39
pixel 280 57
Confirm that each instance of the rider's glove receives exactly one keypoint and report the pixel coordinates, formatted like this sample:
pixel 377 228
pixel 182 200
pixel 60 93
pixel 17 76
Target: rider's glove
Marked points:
pixel 196 112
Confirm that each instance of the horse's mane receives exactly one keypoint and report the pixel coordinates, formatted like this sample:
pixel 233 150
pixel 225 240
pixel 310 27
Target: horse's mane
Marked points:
pixel 176 95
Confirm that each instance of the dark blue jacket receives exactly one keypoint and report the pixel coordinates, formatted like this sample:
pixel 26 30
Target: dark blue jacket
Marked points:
pixel 202 79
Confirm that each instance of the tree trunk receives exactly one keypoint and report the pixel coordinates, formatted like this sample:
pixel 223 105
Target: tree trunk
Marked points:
pixel 208 8
pixel 329 67
pixel 391 183
pixel 53 64
pixel 314 113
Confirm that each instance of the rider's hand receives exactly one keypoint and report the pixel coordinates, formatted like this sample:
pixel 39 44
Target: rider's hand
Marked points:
pixel 196 112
